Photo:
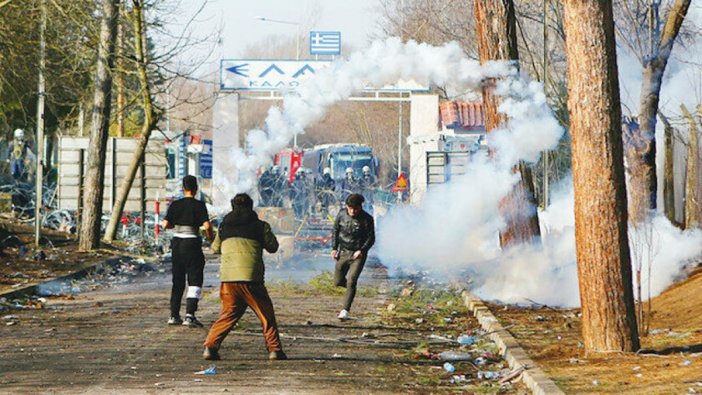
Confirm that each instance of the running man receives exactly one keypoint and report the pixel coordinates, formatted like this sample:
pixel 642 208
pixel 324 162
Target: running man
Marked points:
pixel 352 237
pixel 185 216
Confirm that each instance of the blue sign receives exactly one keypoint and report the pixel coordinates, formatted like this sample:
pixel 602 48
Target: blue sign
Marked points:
pixel 325 43
pixel 206 160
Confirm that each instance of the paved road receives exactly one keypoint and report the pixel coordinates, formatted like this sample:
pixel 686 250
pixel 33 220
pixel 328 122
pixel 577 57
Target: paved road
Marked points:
pixel 114 340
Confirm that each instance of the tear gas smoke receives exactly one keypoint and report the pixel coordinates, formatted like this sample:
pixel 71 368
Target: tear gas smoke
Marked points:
pixel 383 63
pixel 455 230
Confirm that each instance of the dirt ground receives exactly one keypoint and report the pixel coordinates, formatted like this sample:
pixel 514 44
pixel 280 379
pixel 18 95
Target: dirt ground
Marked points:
pixel 115 340
pixel 670 361
pixel 21 264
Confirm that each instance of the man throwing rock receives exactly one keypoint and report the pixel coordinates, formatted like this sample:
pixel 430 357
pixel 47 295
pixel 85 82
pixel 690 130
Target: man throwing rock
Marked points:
pixel 352 237
pixel 241 239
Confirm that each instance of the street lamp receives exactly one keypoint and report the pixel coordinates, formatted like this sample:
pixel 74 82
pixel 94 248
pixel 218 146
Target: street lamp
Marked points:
pixel 297 39
pixel 297 46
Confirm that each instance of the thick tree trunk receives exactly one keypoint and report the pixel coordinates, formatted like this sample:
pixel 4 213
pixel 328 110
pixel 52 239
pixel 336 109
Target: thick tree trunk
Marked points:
pixel 99 130
pixel 497 40
pixel 147 127
pixel 668 178
pixel 602 248
pixel 654 68
pixel 692 189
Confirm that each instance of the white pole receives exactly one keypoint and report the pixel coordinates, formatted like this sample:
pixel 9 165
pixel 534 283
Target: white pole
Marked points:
pixel 39 201
pixel 399 150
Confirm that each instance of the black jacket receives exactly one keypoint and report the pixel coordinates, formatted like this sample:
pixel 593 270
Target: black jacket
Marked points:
pixel 353 233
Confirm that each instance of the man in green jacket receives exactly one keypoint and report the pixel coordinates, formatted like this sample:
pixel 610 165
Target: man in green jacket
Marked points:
pixel 241 239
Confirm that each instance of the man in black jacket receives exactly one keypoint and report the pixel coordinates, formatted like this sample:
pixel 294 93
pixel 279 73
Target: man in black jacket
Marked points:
pixel 352 237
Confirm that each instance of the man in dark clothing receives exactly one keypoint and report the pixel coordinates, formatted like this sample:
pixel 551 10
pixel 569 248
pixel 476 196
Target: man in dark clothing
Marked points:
pixel 265 188
pixel 349 185
pixel 241 239
pixel 299 194
pixel 325 190
pixel 185 216
pixel 352 237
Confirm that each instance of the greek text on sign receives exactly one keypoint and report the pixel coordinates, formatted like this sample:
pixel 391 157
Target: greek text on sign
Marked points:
pixel 286 75
pixel 267 75
pixel 325 43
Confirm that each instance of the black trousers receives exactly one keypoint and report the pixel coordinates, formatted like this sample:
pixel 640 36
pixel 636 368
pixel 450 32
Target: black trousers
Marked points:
pixel 188 261
pixel 346 274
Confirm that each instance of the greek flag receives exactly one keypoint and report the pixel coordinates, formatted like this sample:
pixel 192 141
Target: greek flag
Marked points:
pixel 325 43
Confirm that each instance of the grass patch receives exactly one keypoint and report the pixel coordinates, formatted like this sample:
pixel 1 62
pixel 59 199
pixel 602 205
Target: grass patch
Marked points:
pixel 323 284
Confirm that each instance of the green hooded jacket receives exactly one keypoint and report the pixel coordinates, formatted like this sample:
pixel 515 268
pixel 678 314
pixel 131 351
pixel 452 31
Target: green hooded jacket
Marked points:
pixel 240 239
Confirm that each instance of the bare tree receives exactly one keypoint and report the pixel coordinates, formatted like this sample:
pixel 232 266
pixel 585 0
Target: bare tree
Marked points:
pixel 692 186
pixel 150 118
pixel 644 38
pixel 497 40
pixel 99 131
pixel 668 179
pixel 602 249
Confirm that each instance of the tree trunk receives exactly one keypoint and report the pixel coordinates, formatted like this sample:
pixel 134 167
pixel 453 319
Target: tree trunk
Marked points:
pixel 119 79
pixel 602 248
pixel 497 40
pixel 654 67
pixel 692 192
pixel 668 178
pixel 148 125
pixel 99 130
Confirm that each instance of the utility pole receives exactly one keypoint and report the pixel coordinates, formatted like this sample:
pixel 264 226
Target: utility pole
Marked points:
pixel 399 129
pixel 38 200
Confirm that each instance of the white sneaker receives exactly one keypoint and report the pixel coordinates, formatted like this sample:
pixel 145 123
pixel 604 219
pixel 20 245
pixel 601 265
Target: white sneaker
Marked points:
pixel 343 315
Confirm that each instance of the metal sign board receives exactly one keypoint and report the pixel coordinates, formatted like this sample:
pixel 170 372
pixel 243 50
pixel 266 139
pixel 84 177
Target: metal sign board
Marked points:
pixel 267 75
pixel 325 43
pixel 206 159
pixel 286 75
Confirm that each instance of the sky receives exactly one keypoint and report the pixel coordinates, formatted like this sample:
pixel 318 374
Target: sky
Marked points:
pixel 356 20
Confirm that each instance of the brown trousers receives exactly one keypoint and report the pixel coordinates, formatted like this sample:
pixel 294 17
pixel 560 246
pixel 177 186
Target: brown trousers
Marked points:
pixel 236 297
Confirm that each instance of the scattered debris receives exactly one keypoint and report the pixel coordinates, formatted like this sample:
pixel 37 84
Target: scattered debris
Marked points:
pixel 455 356
pixel 211 370
pixel 465 340
pixel 449 368
pixel 459 379
pixel 686 362
pixel 512 375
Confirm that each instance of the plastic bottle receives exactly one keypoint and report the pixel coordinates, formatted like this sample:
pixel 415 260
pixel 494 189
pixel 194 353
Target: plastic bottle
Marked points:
pixel 449 368
pixel 466 340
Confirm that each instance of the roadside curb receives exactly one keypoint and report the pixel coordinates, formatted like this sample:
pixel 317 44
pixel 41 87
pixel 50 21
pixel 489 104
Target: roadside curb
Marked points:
pixel 31 289
pixel 532 376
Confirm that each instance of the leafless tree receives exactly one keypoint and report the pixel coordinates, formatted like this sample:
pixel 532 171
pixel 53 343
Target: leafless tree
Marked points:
pixel 99 131
pixel 497 40
pixel 640 31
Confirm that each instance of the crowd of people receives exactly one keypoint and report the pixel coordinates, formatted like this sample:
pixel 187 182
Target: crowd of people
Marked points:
pixel 240 239
pixel 308 194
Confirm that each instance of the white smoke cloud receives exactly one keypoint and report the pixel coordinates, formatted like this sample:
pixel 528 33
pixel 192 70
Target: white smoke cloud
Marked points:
pixel 383 63
pixel 548 273
pixel 455 230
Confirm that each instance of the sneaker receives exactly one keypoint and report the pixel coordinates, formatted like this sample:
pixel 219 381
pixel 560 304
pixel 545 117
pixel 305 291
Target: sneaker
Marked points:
pixel 211 354
pixel 277 356
pixel 192 322
pixel 175 321
pixel 343 315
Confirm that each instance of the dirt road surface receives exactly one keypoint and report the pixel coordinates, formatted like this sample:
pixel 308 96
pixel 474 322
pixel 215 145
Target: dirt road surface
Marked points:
pixel 115 340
